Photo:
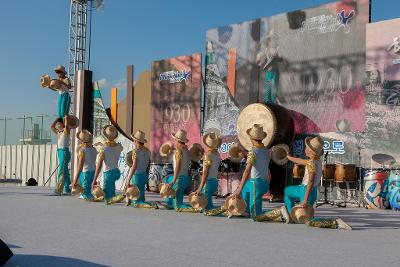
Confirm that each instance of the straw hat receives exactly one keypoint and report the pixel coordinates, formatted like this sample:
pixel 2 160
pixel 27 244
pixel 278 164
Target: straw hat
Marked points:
pixel 166 149
pixel 236 152
pixel 198 201
pixel 280 153
pixel 78 189
pixel 84 136
pixel 316 144
pixel 60 69
pixel 180 136
pixel 235 205
pixel 110 132
pixel 73 122
pixel 139 136
pixel 45 80
pixel 97 192
pixel 196 152
pixel 167 191
pixel 132 192
pixel 256 132
pixel 128 159
pixel 55 84
pixel 212 140
pixel 301 215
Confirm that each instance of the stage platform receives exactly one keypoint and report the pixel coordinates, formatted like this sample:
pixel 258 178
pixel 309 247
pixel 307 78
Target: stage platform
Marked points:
pixel 65 231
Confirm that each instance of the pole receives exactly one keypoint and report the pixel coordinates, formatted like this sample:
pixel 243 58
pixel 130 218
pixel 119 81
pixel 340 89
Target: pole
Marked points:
pixel 23 131
pixel 5 130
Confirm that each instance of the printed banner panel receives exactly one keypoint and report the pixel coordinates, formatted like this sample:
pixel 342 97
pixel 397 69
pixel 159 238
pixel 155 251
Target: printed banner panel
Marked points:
pixel 175 100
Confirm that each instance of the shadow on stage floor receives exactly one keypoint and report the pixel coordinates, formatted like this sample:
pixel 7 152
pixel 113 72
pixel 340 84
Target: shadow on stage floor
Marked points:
pixel 44 260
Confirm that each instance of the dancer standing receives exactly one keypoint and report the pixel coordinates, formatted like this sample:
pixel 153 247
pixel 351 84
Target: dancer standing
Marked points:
pixel 138 174
pixel 86 164
pixel 62 128
pixel 109 155
pixel 64 99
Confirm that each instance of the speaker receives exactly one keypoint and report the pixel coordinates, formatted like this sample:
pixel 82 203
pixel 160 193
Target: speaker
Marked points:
pixel 5 253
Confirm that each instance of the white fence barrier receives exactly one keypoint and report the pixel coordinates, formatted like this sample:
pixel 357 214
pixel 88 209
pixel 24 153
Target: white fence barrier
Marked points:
pixel 22 162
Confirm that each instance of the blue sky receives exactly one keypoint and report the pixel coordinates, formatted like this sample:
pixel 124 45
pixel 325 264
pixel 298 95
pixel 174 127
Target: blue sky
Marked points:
pixel 34 38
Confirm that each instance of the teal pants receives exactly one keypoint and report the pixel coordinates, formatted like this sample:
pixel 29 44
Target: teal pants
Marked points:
pixel 210 187
pixel 109 179
pixel 86 180
pixel 296 193
pixel 180 185
pixel 64 157
pixel 252 193
pixel 140 180
pixel 63 104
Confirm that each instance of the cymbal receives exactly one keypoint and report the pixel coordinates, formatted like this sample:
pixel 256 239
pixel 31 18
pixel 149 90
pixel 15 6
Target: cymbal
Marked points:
pixel 383 158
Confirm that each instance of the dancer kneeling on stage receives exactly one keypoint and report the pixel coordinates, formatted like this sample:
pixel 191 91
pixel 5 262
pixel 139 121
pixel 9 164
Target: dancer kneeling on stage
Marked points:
pixel 209 183
pixel 109 155
pixel 307 192
pixel 86 164
pixel 62 127
pixel 254 182
pixel 138 173
pixel 181 179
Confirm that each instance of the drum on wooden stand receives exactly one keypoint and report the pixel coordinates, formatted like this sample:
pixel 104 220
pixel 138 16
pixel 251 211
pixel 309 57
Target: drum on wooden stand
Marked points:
pixel 345 172
pixel 375 187
pixel 328 171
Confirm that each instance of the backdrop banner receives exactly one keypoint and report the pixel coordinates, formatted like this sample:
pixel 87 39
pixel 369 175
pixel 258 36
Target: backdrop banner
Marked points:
pixel 175 100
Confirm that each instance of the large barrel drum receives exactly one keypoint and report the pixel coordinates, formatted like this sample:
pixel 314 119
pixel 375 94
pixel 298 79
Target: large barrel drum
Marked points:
pixel 275 119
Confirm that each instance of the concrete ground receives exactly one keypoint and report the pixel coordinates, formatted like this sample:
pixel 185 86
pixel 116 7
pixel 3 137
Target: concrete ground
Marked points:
pixel 65 231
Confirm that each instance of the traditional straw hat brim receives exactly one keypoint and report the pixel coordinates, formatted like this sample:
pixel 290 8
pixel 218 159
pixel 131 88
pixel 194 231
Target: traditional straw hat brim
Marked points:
pixel 163 146
pixel 308 214
pixel 87 138
pixel 60 69
pixel 275 157
pixel 139 140
pixel 108 136
pixel 216 142
pixel 133 192
pixel 258 138
pixel 197 201
pixel 307 141
pixel 73 121
pixel 179 139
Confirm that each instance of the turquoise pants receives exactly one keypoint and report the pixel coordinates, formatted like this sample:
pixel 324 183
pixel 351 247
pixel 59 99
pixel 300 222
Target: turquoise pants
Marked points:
pixel 270 86
pixel 64 157
pixel 86 180
pixel 109 179
pixel 296 193
pixel 140 180
pixel 210 187
pixel 63 104
pixel 180 185
pixel 252 193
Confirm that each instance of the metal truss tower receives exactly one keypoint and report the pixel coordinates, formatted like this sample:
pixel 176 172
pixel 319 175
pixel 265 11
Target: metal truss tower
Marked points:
pixel 80 16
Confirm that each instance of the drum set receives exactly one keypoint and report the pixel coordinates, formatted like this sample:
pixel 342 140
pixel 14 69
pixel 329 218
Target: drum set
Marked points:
pixel 376 188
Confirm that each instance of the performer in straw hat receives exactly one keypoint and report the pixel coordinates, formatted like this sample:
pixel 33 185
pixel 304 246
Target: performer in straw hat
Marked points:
pixel 62 128
pixel 86 164
pixel 64 99
pixel 306 193
pixel 254 183
pixel 109 156
pixel 180 180
pixel 209 183
pixel 138 174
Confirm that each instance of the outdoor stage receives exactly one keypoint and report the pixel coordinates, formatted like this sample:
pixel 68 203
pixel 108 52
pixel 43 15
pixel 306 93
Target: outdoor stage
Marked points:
pixel 65 231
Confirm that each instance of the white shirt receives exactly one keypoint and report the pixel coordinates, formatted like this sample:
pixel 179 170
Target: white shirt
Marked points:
pixel 110 153
pixel 63 87
pixel 212 159
pixel 142 156
pixel 184 155
pixel 313 166
pixel 89 154
pixel 63 140
pixel 259 159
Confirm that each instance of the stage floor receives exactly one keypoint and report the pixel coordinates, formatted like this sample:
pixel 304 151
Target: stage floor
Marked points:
pixel 65 231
